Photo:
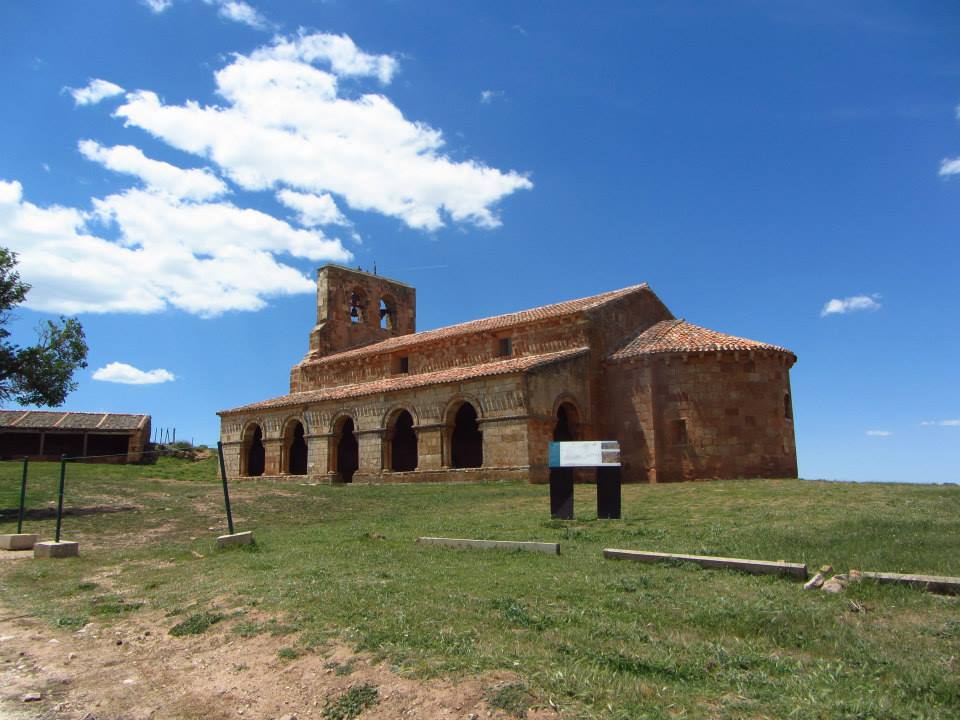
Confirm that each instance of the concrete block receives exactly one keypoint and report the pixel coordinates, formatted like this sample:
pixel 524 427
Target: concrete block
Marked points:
pixel 756 567
pixel 540 547
pixel 18 541
pixel 932 583
pixel 241 538
pixel 61 549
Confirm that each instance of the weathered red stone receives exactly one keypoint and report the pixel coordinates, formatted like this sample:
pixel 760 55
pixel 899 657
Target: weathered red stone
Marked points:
pixel 685 402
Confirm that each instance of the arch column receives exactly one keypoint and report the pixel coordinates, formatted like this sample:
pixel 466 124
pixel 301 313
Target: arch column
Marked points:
pixel 318 453
pixel 370 449
pixel 504 441
pixel 429 446
pixel 272 451
pixel 231 458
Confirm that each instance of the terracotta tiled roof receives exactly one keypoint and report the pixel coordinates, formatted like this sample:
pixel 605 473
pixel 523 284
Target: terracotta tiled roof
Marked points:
pixel 497 322
pixel 672 336
pixel 52 420
pixel 406 382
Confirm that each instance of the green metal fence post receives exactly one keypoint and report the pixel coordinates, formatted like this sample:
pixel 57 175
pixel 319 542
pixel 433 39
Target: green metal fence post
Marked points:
pixel 226 493
pixel 63 473
pixel 23 495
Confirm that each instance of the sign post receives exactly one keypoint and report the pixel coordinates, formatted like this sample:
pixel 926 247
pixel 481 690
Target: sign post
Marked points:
pixel 232 538
pixel 58 548
pixel 20 540
pixel 604 455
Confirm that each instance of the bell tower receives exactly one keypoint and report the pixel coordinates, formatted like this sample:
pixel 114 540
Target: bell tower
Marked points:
pixel 356 308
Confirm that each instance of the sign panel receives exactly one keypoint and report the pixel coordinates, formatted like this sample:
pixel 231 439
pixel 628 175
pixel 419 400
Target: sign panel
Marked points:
pixel 593 453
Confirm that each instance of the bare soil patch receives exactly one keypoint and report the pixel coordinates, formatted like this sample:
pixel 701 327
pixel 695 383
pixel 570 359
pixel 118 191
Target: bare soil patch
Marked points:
pixel 133 669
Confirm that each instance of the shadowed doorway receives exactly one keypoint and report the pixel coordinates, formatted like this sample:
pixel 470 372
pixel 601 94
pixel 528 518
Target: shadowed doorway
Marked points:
pixel 348 451
pixel 255 453
pixel 466 440
pixel 296 450
pixel 567 427
pixel 403 443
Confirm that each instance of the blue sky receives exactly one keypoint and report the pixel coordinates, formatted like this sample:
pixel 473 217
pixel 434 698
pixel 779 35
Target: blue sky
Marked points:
pixel 173 172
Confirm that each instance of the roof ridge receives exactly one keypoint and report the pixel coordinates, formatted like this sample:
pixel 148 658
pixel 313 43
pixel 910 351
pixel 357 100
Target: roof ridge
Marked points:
pixel 425 336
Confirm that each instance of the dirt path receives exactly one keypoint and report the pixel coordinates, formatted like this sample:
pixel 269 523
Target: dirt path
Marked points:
pixel 133 669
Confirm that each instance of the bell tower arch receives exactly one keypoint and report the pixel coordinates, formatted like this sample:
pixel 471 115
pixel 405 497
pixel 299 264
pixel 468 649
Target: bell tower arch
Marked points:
pixel 356 308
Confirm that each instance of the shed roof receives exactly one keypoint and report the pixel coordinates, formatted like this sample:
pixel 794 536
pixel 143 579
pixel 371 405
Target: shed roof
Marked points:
pixel 677 336
pixel 70 421
pixel 406 382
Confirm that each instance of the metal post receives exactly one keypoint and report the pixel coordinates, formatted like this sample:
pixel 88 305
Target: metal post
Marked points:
pixel 23 495
pixel 63 473
pixel 226 493
pixel 561 493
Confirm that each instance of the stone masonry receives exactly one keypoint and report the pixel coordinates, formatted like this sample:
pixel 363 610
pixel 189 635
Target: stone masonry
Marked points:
pixel 376 401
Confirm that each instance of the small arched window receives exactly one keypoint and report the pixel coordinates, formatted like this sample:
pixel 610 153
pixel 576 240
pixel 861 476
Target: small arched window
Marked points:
pixel 787 407
pixel 388 319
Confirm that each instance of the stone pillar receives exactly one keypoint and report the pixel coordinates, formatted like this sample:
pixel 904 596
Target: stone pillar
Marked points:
pixel 429 446
pixel 271 456
pixel 231 459
pixel 370 449
pixel 504 442
pixel 318 453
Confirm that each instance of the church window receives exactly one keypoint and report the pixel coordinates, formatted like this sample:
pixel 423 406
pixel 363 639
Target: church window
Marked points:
pixel 678 431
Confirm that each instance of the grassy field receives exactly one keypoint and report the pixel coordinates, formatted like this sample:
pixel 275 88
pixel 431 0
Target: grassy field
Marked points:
pixel 593 637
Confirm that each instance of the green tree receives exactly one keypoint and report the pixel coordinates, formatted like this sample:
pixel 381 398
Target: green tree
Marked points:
pixel 40 374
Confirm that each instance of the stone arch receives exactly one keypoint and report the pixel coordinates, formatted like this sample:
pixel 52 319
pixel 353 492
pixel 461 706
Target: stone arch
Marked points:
pixel 400 441
pixel 344 448
pixel 463 439
pixel 356 306
pixel 252 453
pixel 388 313
pixel 567 422
pixel 294 459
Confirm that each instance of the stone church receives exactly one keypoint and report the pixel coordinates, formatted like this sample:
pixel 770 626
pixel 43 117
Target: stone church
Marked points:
pixel 376 401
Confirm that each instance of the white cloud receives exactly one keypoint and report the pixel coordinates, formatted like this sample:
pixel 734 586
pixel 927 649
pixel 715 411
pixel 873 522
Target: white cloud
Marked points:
pixel 190 184
pixel 313 210
pixel 942 423
pixel 949 166
pixel 488 96
pixel 851 304
pixel 285 125
pixel 95 91
pixel 158 6
pixel 203 259
pixel 338 51
pixel 241 12
pixel 879 433
pixel 118 372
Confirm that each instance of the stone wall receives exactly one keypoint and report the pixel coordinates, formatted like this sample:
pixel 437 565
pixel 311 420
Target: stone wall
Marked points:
pixel 349 314
pixel 704 415
pixel 501 403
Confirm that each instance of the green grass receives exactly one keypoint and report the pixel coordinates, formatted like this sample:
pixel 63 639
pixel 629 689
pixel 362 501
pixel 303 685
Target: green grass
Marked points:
pixel 351 703
pixel 594 637
pixel 196 624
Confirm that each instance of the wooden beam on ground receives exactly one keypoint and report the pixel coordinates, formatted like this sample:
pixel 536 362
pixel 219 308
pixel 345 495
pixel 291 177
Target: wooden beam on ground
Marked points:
pixel 933 583
pixel 540 547
pixel 757 567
